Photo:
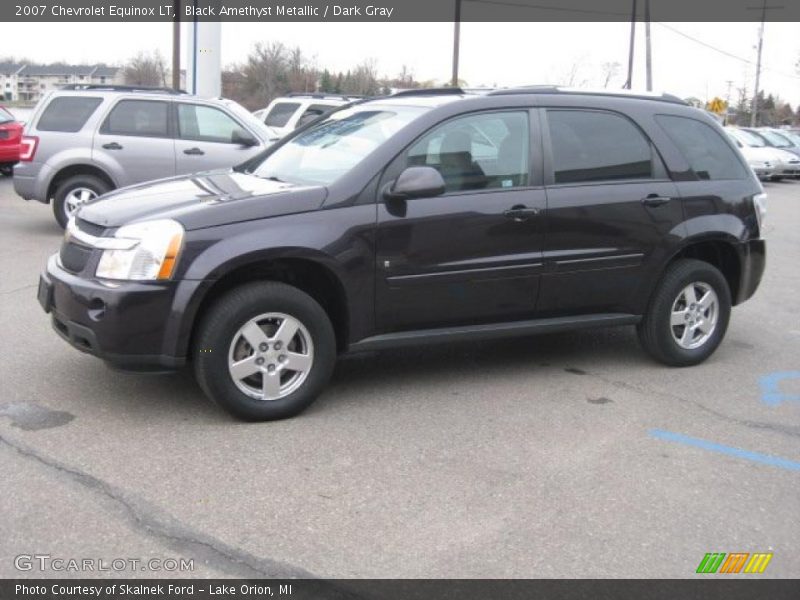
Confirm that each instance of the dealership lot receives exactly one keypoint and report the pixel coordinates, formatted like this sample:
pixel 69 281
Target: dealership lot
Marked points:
pixel 570 455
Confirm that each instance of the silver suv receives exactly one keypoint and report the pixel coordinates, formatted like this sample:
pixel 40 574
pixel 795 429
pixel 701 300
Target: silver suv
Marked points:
pixel 83 141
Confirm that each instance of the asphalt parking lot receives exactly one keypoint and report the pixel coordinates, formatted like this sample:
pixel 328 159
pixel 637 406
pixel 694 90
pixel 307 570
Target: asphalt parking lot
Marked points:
pixel 570 455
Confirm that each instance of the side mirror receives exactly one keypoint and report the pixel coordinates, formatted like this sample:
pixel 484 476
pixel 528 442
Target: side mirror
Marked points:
pixel 416 182
pixel 241 137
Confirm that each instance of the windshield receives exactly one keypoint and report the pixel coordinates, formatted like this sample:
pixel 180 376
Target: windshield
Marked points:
pixel 749 139
pixel 776 139
pixel 322 154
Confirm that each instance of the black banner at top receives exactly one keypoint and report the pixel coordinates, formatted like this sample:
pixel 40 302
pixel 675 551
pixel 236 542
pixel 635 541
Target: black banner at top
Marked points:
pixel 396 10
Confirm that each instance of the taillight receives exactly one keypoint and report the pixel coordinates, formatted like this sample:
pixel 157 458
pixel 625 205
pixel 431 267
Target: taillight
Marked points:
pixel 27 147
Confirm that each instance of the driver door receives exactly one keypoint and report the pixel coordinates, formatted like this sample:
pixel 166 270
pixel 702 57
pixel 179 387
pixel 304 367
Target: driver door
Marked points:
pixel 473 254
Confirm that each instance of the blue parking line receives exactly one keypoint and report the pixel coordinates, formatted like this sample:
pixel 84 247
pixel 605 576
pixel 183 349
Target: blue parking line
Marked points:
pixel 770 388
pixel 774 461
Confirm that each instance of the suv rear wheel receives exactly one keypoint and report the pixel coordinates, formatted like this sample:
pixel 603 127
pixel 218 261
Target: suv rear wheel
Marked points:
pixel 688 314
pixel 74 192
pixel 264 351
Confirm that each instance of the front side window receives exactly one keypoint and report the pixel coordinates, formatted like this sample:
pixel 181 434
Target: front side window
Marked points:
pixel 597 146
pixel 707 153
pixel 68 113
pixel 482 151
pixel 144 118
pixel 332 147
pixel 205 124
pixel 776 139
pixel 280 114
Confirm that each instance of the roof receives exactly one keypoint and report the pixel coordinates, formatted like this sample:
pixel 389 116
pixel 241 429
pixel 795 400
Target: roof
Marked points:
pixel 9 68
pixel 558 90
pixel 57 69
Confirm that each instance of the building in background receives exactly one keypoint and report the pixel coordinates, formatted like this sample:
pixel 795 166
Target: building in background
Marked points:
pixel 28 83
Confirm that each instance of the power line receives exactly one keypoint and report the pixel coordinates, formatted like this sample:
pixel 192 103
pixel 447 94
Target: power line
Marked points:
pixel 725 52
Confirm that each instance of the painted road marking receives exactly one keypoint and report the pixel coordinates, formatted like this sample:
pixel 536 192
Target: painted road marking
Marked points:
pixel 767 459
pixel 770 388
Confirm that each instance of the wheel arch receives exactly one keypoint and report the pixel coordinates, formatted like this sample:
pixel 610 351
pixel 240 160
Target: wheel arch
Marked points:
pixel 308 274
pixel 76 169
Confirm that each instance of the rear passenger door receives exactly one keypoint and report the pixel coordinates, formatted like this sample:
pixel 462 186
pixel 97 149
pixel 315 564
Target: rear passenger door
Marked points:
pixel 205 139
pixel 134 141
pixel 611 208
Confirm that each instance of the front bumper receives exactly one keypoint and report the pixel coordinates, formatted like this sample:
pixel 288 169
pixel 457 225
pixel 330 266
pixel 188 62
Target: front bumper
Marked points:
pixel 132 325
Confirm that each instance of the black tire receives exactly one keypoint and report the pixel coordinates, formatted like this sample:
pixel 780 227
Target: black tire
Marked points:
pixel 219 326
pixel 97 185
pixel 655 330
pixel 776 178
pixel 7 170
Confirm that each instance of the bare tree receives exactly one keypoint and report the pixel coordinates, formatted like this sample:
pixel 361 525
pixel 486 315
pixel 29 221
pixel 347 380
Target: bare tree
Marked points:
pixel 146 70
pixel 610 72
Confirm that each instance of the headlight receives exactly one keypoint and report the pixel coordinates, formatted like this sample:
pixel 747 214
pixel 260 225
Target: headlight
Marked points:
pixel 152 253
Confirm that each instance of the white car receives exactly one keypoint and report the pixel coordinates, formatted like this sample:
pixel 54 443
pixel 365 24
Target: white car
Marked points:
pixel 781 163
pixel 759 157
pixel 284 115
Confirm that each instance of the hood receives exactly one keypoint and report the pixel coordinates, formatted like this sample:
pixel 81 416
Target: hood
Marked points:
pixel 759 154
pixel 203 200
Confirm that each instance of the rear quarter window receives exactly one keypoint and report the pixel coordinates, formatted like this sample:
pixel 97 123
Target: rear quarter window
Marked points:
pixel 708 154
pixel 281 113
pixel 67 113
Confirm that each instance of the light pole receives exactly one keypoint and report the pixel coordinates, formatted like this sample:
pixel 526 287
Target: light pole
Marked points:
pixel 456 43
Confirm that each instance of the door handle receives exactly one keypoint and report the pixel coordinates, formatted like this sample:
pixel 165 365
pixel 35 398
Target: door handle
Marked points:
pixel 653 200
pixel 520 213
pixel 112 146
pixel 194 151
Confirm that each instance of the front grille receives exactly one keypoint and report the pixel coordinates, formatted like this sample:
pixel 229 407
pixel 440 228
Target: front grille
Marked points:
pixel 74 257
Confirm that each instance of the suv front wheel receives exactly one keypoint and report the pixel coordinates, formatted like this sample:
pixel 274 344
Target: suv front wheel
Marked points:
pixel 75 191
pixel 264 351
pixel 688 314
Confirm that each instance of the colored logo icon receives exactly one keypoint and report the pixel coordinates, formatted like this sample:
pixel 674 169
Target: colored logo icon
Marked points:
pixel 771 388
pixel 735 562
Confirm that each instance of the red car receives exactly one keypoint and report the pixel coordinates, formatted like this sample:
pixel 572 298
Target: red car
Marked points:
pixel 10 136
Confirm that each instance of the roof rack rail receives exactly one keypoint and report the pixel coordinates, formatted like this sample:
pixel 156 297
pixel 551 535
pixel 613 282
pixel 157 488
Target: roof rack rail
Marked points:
pixel 322 95
pixel 433 91
pixel 98 87
pixel 555 89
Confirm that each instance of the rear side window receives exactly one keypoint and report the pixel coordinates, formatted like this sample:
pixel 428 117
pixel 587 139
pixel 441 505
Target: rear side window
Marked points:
pixel 67 113
pixel 281 113
pixel 709 156
pixel 597 146
pixel 5 116
pixel 145 118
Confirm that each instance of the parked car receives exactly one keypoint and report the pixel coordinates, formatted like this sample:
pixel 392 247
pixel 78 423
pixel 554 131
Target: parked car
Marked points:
pixel 785 164
pixel 284 115
pixel 419 218
pixel 10 136
pixel 83 141
pixel 777 139
pixel 760 158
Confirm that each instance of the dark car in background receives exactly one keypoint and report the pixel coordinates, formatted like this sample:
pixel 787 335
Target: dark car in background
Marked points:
pixel 428 216
pixel 10 138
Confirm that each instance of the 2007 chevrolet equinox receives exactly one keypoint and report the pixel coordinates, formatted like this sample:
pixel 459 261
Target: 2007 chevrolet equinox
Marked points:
pixel 427 216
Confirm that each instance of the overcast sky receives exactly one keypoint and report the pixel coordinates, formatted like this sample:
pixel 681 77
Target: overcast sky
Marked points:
pixel 491 53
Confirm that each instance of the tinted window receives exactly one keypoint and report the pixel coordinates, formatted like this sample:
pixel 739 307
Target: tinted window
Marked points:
pixel 205 124
pixel 68 113
pixel 281 113
pixel 138 117
pixel 312 112
pixel 477 152
pixel 597 146
pixel 709 156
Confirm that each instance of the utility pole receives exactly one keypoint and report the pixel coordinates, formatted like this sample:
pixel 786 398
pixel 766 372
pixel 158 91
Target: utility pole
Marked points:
pixel 754 114
pixel 629 82
pixel 648 48
pixel 763 8
pixel 176 44
pixel 456 43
